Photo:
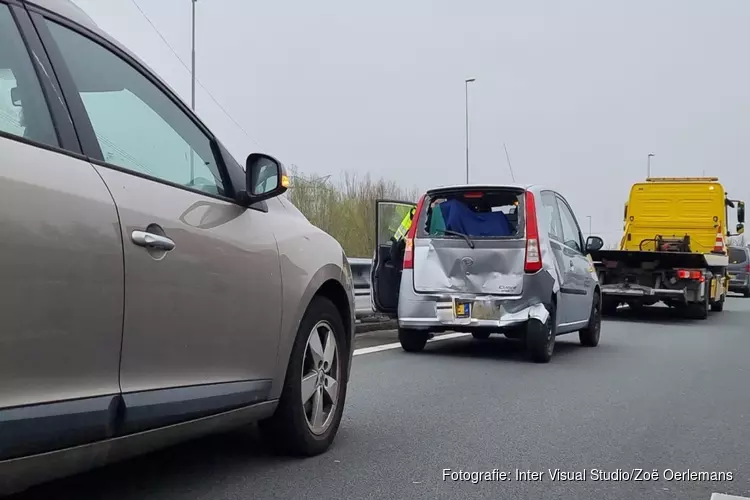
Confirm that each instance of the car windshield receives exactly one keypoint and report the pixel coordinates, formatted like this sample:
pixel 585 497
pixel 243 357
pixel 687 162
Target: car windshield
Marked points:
pixel 737 255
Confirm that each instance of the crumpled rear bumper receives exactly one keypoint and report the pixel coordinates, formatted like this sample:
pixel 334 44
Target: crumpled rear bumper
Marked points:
pixel 436 311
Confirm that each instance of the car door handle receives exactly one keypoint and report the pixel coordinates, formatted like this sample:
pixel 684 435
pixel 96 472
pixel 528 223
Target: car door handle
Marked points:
pixel 151 240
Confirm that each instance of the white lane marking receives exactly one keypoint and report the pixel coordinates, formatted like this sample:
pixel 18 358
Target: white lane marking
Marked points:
pixel 722 496
pixel 396 345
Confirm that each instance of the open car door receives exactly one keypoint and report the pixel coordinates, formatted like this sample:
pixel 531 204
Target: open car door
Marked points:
pixel 387 261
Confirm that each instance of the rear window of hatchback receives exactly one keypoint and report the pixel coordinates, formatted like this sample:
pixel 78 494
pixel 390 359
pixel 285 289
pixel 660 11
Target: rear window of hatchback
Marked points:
pixel 490 213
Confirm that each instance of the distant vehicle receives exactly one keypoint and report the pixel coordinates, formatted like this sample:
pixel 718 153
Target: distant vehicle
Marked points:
pixel 674 247
pixel 739 270
pixel 153 290
pixel 488 259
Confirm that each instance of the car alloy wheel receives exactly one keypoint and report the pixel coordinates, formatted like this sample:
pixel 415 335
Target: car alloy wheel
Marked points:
pixel 321 370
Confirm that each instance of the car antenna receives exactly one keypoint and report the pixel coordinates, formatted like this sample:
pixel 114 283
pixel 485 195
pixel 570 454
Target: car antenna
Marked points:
pixel 510 167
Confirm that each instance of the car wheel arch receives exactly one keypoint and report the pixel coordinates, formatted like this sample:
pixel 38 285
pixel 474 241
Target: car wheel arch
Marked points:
pixel 329 281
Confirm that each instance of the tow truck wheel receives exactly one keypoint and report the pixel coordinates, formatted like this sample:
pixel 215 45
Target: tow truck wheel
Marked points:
pixel 718 306
pixel 412 340
pixel 699 310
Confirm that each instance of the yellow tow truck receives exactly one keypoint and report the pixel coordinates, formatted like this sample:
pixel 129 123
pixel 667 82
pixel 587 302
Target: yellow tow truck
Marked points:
pixel 674 247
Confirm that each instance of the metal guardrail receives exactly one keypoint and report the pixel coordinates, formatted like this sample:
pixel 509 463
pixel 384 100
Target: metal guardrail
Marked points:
pixel 361 277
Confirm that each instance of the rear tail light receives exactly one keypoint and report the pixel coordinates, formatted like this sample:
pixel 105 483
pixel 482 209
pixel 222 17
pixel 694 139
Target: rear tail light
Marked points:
pixel 747 268
pixel 533 260
pixel 409 239
pixel 687 274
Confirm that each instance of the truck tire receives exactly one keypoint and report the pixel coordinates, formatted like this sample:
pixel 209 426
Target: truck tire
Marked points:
pixel 609 306
pixel 540 337
pixel 699 310
pixel 718 306
pixel 412 340
pixel 589 336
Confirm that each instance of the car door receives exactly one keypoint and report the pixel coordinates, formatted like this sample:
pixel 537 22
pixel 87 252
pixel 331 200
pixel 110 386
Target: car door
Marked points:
pixel 550 217
pixel 60 264
pixel 385 278
pixel 202 272
pixel 578 266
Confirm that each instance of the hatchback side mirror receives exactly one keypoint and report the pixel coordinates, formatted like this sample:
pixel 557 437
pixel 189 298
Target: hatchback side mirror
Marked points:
pixel 594 243
pixel 265 178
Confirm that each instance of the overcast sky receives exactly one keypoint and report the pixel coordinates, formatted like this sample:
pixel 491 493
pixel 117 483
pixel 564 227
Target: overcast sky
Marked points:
pixel 580 91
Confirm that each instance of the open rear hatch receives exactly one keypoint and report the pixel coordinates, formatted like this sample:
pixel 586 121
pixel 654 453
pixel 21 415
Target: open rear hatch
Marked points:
pixel 471 240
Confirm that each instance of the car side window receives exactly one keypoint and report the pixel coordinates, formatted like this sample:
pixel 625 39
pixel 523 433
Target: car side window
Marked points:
pixel 571 231
pixel 551 215
pixel 138 127
pixel 23 108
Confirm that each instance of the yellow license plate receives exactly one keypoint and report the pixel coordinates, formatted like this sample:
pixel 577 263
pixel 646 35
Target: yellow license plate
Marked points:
pixel 462 310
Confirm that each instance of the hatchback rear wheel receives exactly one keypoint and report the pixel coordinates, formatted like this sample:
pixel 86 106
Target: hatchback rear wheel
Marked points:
pixel 412 340
pixel 480 335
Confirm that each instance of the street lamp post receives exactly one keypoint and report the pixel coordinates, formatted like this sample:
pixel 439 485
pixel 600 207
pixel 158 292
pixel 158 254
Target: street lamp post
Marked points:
pixel 466 95
pixel 648 173
pixel 192 71
pixel 192 86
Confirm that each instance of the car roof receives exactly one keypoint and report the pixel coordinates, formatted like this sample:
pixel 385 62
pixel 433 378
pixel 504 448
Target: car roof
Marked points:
pixel 476 186
pixel 525 187
pixel 72 12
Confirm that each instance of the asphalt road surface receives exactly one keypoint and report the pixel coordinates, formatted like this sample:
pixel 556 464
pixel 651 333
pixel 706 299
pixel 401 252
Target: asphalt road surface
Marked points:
pixel 658 394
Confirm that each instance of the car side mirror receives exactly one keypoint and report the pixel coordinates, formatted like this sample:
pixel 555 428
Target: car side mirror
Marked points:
pixel 15 96
pixel 594 243
pixel 740 228
pixel 265 178
pixel 741 212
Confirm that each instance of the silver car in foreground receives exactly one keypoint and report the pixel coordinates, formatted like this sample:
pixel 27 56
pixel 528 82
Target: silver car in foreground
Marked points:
pixel 487 259
pixel 153 289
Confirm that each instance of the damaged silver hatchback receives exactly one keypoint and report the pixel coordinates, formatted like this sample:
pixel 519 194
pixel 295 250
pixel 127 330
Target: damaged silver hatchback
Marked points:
pixel 487 259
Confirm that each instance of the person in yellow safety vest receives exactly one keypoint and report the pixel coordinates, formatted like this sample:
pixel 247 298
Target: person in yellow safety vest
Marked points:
pixel 398 241
pixel 403 228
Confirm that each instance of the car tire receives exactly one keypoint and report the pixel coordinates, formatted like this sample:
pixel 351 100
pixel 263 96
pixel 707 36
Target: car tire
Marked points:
pixel 290 430
pixel 480 335
pixel 589 336
pixel 746 294
pixel 609 306
pixel 540 337
pixel 412 340
pixel 718 306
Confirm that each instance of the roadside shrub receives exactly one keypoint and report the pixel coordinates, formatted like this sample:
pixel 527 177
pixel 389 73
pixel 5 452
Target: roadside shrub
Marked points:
pixel 345 209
